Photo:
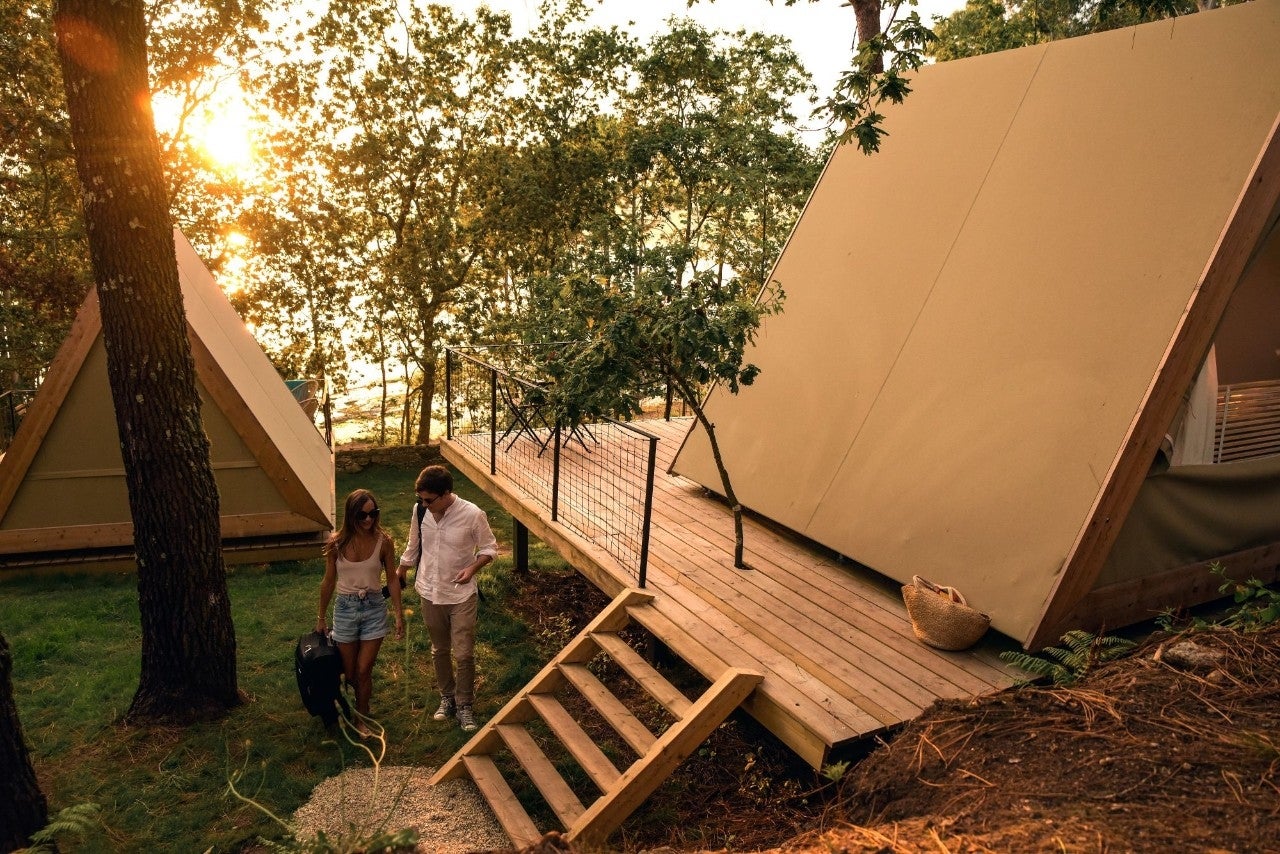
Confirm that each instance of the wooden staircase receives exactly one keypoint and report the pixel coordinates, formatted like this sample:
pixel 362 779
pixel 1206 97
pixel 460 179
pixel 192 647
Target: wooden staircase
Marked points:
pixel 621 791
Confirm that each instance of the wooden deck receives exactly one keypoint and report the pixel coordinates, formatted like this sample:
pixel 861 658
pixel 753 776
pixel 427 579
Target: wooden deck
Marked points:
pixel 833 639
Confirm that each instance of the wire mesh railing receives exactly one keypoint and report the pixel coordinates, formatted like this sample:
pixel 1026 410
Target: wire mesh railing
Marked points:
pixel 595 479
pixel 13 405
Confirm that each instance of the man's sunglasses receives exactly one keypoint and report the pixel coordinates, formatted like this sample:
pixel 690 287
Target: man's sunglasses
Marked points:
pixel 427 502
pixel 361 515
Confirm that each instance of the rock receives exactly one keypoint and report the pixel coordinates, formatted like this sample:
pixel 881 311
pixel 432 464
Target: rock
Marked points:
pixel 353 460
pixel 1189 655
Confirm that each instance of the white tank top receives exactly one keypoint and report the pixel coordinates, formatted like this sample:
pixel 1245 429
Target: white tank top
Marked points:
pixel 357 575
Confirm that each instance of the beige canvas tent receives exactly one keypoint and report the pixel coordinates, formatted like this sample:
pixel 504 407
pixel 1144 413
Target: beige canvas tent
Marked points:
pixel 63 498
pixel 992 325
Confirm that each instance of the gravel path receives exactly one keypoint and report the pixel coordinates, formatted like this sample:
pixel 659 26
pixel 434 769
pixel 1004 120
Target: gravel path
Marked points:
pixel 451 817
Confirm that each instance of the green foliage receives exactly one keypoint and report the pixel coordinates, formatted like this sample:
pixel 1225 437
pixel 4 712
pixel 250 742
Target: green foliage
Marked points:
pixel 78 821
pixel 986 26
pixel 869 84
pixel 1257 605
pixel 1080 653
pixel 835 771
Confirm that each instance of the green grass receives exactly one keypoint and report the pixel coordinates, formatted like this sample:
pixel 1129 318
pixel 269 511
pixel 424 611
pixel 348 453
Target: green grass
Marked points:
pixel 75 645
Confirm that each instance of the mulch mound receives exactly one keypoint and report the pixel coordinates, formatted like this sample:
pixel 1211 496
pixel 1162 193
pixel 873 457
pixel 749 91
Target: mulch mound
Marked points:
pixel 1174 748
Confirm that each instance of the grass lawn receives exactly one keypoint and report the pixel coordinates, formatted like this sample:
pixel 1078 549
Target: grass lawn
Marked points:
pixel 75 642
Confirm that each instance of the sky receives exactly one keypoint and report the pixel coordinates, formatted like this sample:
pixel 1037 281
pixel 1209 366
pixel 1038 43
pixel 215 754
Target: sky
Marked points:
pixel 821 32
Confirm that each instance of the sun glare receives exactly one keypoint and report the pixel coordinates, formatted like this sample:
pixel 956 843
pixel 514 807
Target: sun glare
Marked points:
pixel 221 129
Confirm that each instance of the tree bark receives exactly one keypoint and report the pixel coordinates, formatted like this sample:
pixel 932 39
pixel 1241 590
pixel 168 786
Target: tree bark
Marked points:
pixel 866 14
pixel 428 399
pixel 23 809
pixel 188 642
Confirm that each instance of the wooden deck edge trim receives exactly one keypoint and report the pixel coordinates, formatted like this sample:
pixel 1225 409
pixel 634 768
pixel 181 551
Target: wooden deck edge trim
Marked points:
pixel 797 718
pixel 506 806
pixel 555 791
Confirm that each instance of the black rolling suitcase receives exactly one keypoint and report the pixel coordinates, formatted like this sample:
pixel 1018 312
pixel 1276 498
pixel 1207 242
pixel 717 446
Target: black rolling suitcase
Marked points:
pixel 318 666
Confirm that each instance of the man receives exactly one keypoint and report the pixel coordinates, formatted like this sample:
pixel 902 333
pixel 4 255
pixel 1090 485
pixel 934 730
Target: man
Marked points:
pixel 449 542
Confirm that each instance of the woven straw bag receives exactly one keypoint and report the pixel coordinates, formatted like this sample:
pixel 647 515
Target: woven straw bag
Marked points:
pixel 941 617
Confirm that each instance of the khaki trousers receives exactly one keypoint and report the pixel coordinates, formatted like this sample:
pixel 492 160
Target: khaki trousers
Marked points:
pixel 453 638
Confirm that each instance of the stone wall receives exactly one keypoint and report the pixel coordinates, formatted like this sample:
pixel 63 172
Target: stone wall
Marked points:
pixel 355 460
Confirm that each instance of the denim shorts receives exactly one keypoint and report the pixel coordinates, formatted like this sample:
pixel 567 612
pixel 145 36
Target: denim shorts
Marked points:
pixel 359 618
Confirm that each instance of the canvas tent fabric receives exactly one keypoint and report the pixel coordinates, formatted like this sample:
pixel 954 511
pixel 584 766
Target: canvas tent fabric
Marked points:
pixel 62 486
pixel 990 324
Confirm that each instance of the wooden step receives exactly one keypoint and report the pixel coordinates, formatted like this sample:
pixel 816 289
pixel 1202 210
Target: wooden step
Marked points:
pixel 506 807
pixel 562 800
pixel 675 745
pixel 646 676
pixel 592 759
pixel 627 725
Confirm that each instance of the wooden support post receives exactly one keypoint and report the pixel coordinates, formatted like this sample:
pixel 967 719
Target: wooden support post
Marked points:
pixel 521 547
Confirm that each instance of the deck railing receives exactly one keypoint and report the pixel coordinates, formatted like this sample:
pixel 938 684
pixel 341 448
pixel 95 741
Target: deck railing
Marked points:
pixel 13 405
pixel 595 479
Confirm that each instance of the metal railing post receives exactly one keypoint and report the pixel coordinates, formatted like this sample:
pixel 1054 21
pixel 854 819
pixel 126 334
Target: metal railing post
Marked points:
pixel 648 511
pixel 493 420
pixel 555 476
pixel 448 393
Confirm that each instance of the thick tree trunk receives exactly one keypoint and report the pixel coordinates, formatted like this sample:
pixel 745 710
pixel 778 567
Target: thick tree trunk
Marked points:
pixel 188 642
pixel 428 397
pixel 23 809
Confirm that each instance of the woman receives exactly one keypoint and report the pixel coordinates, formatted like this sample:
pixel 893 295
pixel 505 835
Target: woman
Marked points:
pixel 355 558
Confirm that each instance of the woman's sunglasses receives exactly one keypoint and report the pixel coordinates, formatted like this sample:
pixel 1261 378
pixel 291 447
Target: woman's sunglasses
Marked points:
pixel 361 515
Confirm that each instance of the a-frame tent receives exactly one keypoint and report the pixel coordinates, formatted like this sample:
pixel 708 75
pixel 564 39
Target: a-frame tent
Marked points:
pixel 63 499
pixel 991 325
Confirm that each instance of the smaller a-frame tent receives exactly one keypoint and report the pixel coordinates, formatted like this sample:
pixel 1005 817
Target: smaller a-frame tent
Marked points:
pixel 991 325
pixel 63 499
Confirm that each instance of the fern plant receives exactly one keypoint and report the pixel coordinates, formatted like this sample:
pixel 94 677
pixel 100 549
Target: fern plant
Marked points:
pixel 79 821
pixel 1069 663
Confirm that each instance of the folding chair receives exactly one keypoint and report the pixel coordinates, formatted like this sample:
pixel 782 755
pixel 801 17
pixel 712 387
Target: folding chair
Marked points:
pixel 525 409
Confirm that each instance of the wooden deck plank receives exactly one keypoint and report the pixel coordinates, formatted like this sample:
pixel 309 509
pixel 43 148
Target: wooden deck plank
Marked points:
pixel 865 604
pixel 831 633
pixel 884 634
pixel 833 640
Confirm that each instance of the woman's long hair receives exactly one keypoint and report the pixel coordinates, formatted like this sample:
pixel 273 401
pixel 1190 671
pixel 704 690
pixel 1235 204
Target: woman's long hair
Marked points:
pixel 354 504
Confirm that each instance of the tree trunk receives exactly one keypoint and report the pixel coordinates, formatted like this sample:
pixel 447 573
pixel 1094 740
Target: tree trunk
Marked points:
pixel 23 809
pixel 188 642
pixel 428 396
pixel 866 14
